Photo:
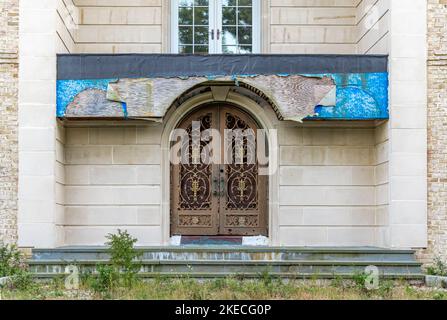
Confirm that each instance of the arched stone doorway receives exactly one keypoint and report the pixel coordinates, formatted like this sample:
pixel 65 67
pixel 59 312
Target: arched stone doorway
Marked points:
pixel 217 188
pixel 266 118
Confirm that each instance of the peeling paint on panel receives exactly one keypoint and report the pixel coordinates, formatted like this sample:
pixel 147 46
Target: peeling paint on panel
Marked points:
pixel 293 97
pixel 359 97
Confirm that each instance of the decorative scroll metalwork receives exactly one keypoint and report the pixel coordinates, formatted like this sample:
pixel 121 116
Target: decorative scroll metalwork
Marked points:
pixel 242 172
pixel 239 221
pixel 195 221
pixel 195 177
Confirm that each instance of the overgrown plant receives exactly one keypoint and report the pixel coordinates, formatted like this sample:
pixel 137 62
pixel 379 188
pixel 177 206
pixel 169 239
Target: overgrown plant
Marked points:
pixel 105 281
pixel 125 259
pixel 439 268
pixel 13 265
pixel 385 289
pixel 10 260
pixel 360 279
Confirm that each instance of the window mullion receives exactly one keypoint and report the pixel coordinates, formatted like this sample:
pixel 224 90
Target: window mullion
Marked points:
pixel 217 25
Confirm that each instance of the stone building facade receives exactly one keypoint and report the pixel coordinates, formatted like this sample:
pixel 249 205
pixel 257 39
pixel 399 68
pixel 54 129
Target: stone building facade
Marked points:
pixel 9 41
pixel 437 131
pixel 404 216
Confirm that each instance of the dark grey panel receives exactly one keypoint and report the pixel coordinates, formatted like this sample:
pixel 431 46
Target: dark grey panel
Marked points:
pixel 107 66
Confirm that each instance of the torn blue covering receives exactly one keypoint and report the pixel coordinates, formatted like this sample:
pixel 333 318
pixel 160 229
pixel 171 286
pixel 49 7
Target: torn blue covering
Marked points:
pixel 358 96
pixel 67 90
pixel 360 81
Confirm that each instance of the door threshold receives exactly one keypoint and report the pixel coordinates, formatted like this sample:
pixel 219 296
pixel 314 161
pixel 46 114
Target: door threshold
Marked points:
pixel 219 241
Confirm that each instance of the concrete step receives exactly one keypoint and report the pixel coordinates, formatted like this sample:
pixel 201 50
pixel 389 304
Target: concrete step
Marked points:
pixel 249 262
pixel 395 269
pixel 233 253
pixel 418 277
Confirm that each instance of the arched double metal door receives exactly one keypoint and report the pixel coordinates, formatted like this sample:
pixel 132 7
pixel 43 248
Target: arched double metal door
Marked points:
pixel 216 188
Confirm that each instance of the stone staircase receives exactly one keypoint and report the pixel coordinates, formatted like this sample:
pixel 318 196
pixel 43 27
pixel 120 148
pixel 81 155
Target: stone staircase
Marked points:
pixel 245 262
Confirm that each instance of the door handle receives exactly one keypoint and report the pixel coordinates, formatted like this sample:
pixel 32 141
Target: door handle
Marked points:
pixel 212 34
pixel 218 34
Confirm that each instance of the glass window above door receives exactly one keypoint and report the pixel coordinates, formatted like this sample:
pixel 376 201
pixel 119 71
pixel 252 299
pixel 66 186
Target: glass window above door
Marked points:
pixel 216 26
pixel 237 26
pixel 193 26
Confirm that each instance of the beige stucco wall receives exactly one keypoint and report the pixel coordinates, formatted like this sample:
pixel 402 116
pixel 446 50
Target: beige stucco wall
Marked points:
pixel 9 42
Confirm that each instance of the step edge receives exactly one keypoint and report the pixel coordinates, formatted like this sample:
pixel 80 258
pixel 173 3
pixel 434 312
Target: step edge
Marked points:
pixel 235 262
pixel 234 249
pixel 405 276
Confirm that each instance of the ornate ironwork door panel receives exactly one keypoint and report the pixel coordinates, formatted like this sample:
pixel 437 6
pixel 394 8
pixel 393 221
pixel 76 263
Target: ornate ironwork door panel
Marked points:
pixel 243 202
pixel 226 196
pixel 194 208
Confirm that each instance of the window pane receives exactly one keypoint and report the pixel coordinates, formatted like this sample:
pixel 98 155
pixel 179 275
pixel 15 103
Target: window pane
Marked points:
pixel 230 49
pixel 237 21
pixel 246 49
pixel 237 49
pixel 229 36
pixel 193 30
pixel 245 16
pixel 185 16
pixel 201 35
pixel 245 3
pixel 227 3
pixel 245 35
pixel 201 49
pixel 185 49
pixel 201 16
pixel 185 35
pixel 229 16
pixel 201 2
pixel 186 3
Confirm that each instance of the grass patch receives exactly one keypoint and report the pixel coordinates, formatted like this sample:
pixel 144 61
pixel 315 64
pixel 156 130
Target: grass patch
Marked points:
pixel 228 289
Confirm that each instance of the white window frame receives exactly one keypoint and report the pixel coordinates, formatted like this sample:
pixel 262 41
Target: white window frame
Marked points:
pixel 215 46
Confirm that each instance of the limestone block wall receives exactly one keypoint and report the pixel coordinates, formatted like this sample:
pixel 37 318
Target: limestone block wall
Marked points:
pixel 288 26
pixel 382 184
pixel 437 132
pixel 113 179
pixel 67 21
pixel 122 26
pixel 48 196
pixel 373 27
pixel 40 135
pixel 408 124
pixel 323 26
pixel 9 49
pixel 328 186
pixel 312 26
